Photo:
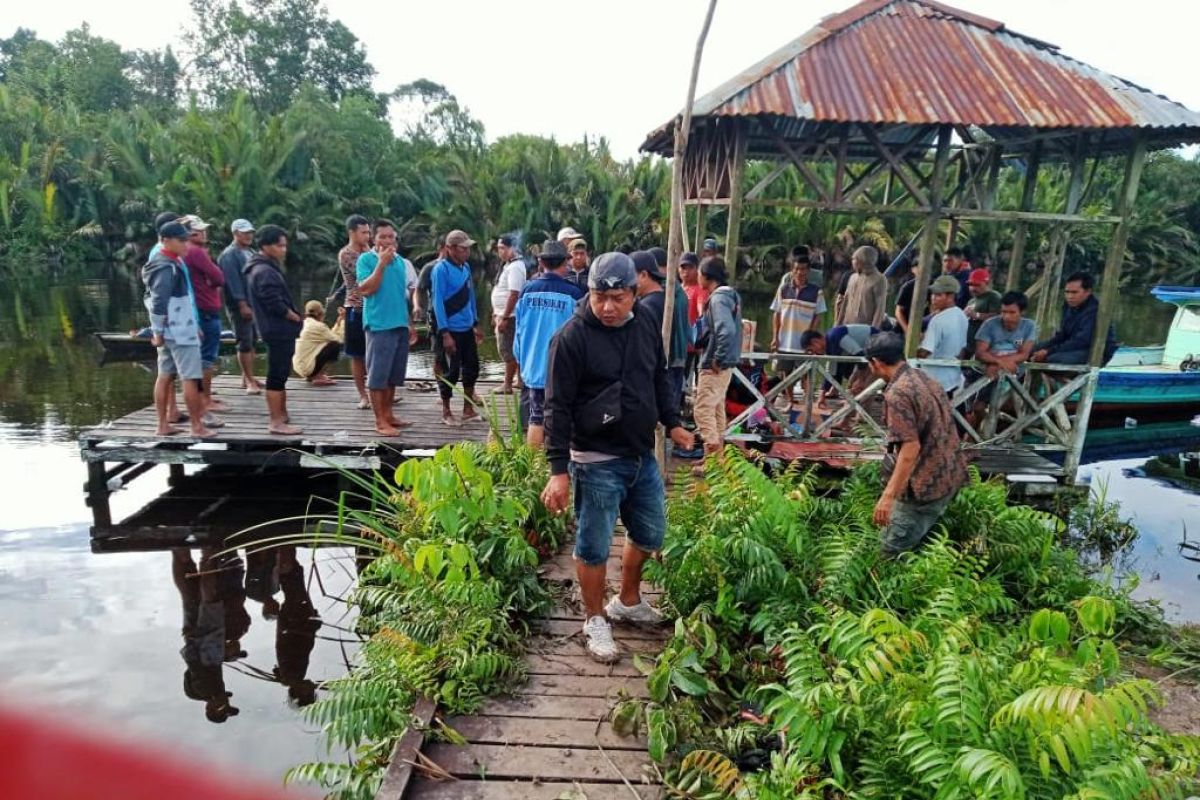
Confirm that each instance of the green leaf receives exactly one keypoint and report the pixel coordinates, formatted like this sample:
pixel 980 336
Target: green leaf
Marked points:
pixel 689 682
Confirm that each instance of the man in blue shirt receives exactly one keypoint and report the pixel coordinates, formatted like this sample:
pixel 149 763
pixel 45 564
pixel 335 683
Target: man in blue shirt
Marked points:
pixel 453 304
pixel 545 305
pixel 384 281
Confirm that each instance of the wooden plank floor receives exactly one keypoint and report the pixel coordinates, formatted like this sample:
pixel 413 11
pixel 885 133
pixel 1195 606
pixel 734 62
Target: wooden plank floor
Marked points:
pixel 553 737
pixel 328 415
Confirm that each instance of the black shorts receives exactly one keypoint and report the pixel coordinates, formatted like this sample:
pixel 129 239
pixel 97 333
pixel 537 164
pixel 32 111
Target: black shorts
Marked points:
pixel 356 337
pixel 279 362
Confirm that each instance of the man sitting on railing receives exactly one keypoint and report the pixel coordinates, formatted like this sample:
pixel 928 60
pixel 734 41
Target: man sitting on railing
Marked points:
pixel 924 467
pixel 1005 342
pixel 1072 343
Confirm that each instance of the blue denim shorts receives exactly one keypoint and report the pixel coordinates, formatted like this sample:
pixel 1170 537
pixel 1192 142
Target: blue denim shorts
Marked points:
pixel 631 487
pixel 210 338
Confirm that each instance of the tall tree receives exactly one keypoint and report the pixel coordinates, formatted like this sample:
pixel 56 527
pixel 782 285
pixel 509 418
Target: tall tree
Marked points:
pixel 271 48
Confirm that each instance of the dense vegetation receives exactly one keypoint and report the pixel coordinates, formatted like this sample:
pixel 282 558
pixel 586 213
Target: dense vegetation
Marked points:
pixel 445 601
pixel 988 664
pixel 272 115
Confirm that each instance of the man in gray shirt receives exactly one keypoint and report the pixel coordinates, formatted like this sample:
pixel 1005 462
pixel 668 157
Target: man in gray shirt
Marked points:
pixel 232 261
pixel 1006 341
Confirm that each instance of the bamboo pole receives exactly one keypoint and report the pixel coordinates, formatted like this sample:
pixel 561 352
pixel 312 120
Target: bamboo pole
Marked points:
pixel 734 228
pixel 1017 257
pixel 675 231
pixel 1110 286
pixel 928 239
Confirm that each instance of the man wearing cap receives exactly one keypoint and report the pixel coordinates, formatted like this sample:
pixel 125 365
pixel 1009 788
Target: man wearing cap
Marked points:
pixel 722 352
pixel 708 249
pixel 207 280
pixel 453 304
pixel 358 241
pixel 924 466
pixel 566 235
pixel 174 330
pixel 579 263
pixel 984 303
pixel 277 320
pixel 510 280
pixel 946 334
pixel 545 305
pixel 606 391
pixel 385 281
pixel 241 316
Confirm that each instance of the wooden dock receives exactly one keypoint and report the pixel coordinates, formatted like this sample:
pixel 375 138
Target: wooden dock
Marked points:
pixel 335 434
pixel 551 738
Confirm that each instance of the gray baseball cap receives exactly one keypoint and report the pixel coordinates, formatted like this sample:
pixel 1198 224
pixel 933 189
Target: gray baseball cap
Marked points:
pixel 241 226
pixel 945 284
pixel 612 271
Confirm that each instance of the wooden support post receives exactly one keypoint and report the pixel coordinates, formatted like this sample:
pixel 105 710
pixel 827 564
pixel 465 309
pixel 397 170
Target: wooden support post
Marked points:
pixel 1083 412
pixel 1110 285
pixel 1048 306
pixel 951 234
pixel 1017 258
pixel 736 172
pixel 929 239
pixel 97 495
pixel 701 215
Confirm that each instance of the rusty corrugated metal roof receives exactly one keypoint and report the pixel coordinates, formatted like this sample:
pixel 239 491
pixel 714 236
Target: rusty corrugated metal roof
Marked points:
pixel 914 62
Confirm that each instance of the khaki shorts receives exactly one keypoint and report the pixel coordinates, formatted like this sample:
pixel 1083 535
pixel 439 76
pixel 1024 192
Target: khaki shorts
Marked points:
pixel 180 359
pixel 505 341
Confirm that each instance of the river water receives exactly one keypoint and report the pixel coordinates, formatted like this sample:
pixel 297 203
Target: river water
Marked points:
pixel 99 635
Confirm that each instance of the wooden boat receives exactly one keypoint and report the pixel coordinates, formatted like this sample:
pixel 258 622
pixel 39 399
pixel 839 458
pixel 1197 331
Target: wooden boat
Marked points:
pixel 1159 380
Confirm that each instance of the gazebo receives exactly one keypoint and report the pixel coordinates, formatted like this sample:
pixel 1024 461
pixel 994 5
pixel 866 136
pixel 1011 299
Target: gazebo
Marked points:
pixel 911 107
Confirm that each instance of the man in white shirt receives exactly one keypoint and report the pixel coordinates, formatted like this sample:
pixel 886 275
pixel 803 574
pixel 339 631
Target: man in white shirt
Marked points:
pixel 946 336
pixel 510 280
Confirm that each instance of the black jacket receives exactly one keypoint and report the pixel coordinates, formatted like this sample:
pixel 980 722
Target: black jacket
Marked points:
pixel 1077 328
pixel 586 357
pixel 270 299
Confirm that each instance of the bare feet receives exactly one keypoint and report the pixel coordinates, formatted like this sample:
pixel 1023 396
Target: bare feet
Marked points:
pixel 387 430
pixel 283 429
pixel 203 432
pixel 254 388
pixel 323 380
pixel 396 422
pixel 217 405
pixel 168 430
pixel 469 415
pixel 448 419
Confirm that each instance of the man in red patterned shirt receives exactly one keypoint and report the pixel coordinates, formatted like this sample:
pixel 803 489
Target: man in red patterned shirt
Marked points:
pixel 924 466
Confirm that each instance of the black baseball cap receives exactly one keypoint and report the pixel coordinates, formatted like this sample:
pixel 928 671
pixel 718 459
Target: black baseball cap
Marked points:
pixel 689 259
pixel 644 261
pixel 173 230
pixel 553 252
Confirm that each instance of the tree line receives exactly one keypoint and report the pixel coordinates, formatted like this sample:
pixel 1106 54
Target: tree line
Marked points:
pixel 272 115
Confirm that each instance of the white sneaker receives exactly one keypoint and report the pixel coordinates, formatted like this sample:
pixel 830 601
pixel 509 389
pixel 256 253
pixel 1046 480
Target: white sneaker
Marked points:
pixel 641 614
pixel 600 644
pixel 210 420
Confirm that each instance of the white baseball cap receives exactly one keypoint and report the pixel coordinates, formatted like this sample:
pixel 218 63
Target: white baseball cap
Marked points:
pixel 568 234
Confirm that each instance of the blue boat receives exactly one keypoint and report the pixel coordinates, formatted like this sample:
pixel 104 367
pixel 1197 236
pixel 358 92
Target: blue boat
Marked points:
pixel 1162 380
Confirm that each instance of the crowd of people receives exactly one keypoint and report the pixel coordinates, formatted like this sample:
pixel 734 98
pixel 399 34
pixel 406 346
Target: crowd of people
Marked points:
pixel 582 346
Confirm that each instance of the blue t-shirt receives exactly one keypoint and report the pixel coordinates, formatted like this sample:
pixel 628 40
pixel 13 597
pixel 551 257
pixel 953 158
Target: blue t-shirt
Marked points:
pixel 453 296
pixel 387 308
pixel 1003 342
pixel 545 305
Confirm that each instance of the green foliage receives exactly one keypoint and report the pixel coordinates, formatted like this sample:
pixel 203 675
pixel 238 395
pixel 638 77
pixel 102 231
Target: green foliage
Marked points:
pixel 987 664
pixel 444 603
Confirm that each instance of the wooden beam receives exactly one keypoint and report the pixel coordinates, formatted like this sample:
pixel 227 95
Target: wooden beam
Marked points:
pixel 839 172
pixel 770 178
pixel 896 164
pixel 1048 302
pixel 1111 284
pixel 859 184
pixel 400 767
pixel 928 239
pixel 1083 414
pixel 734 227
pixel 1016 260
pixel 810 177
pixel 876 209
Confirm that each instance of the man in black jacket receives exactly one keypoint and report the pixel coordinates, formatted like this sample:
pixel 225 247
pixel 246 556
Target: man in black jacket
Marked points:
pixel 606 390
pixel 1072 343
pixel 277 319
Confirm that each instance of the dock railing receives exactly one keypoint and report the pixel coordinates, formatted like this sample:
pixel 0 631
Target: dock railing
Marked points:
pixel 1044 408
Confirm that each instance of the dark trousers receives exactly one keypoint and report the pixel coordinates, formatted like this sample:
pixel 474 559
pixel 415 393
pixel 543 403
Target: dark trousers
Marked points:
pixel 463 364
pixel 326 356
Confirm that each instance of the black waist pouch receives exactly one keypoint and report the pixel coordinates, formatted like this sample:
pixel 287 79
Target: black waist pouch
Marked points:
pixel 602 412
